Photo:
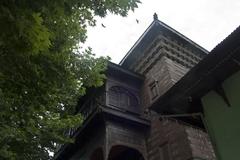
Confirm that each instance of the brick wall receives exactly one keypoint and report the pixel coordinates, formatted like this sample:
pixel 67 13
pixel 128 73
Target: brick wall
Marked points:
pixel 171 140
pixel 200 143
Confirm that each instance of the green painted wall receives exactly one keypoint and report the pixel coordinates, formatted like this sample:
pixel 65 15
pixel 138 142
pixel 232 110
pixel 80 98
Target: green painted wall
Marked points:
pixel 223 122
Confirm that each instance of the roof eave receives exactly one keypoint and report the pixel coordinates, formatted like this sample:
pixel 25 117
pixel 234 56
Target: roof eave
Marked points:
pixel 153 25
pixel 137 42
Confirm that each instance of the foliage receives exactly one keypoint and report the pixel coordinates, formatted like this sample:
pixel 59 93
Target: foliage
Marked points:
pixel 42 74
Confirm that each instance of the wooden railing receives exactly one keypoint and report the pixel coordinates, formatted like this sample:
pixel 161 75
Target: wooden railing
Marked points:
pixel 87 109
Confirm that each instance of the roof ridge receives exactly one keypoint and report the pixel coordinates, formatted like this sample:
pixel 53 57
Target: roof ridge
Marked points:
pixel 157 21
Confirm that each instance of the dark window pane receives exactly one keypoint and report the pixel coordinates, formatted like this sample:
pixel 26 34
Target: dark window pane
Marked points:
pixel 153 90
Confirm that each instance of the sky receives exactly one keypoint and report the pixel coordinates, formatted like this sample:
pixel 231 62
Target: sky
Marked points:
pixel 206 22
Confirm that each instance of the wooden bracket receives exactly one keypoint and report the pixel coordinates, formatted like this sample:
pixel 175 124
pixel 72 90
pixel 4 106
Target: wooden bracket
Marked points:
pixel 220 91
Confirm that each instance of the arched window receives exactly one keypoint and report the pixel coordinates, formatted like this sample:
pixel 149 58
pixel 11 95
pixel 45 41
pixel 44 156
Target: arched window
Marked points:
pixel 123 98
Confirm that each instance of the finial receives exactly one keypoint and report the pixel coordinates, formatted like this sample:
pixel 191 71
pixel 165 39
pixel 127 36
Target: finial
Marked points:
pixel 155 17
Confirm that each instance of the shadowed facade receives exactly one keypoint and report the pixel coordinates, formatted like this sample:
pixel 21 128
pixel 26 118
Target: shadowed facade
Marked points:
pixel 118 122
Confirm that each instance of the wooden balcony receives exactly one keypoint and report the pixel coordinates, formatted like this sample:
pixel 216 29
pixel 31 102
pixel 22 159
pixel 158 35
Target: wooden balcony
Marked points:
pixel 117 102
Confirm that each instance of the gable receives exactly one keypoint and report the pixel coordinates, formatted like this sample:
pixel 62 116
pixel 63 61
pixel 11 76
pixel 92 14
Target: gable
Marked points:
pixel 156 29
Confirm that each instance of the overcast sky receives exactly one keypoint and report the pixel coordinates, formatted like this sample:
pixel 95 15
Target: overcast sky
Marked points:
pixel 206 22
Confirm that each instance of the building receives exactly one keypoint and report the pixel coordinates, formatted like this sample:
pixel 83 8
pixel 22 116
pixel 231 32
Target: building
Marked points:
pixel 119 122
pixel 214 88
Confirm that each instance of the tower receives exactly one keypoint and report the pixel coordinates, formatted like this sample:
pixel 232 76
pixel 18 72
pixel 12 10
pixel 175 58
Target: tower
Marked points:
pixel 117 121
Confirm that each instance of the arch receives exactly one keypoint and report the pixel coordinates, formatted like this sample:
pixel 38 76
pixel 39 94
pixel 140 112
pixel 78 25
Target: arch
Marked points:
pixel 120 152
pixel 97 154
pixel 123 98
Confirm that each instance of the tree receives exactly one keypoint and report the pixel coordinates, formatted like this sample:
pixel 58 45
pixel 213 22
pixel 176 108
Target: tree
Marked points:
pixel 42 72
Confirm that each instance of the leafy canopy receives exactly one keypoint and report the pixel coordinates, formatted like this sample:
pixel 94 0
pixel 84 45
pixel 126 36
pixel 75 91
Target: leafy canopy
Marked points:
pixel 42 72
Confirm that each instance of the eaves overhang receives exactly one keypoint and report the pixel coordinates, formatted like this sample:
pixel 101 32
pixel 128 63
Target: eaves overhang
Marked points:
pixel 148 37
pixel 120 71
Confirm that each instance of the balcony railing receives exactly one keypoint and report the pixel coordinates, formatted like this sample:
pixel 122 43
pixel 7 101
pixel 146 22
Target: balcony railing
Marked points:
pixel 87 109
pixel 93 105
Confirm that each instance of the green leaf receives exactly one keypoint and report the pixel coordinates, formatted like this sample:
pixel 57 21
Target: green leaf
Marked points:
pixel 42 74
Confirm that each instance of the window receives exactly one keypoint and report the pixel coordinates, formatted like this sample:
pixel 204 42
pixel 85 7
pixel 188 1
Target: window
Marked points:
pixel 153 90
pixel 122 98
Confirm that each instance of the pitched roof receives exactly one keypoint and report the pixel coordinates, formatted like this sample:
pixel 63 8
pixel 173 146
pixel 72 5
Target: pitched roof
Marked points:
pixel 148 36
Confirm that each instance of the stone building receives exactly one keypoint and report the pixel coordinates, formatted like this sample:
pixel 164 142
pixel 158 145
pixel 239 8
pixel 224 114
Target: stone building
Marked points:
pixel 118 122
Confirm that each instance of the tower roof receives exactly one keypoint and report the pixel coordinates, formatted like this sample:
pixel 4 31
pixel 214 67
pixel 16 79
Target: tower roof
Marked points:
pixel 150 34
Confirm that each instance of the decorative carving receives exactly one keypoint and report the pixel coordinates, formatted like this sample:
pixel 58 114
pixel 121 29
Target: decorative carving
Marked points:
pixel 155 16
